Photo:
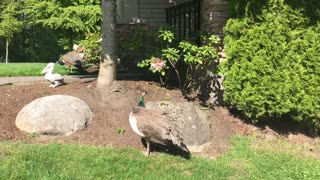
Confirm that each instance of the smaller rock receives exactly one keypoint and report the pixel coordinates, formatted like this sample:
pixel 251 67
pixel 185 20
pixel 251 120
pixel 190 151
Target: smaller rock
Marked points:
pixel 54 115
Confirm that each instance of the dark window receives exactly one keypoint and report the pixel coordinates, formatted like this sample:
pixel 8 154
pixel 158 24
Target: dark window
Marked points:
pixel 185 18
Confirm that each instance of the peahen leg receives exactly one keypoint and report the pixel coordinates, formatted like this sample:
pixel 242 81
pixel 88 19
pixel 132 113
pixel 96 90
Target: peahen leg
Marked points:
pixel 70 69
pixel 148 147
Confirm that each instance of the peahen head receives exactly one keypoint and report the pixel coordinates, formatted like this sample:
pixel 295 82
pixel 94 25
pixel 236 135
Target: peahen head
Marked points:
pixel 141 99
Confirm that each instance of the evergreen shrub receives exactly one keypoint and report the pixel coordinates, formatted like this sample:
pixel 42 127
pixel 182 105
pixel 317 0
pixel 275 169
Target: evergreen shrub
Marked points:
pixel 273 62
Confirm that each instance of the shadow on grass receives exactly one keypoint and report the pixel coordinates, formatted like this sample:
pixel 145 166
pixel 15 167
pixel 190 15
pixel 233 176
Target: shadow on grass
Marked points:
pixel 171 150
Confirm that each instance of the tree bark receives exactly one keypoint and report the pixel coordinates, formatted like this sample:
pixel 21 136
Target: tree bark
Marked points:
pixel 107 72
pixel 70 33
pixel 7 51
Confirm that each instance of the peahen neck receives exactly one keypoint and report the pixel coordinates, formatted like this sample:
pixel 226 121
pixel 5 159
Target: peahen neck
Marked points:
pixel 141 101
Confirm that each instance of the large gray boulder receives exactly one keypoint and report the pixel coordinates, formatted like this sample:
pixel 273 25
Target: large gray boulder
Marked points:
pixel 191 120
pixel 54 115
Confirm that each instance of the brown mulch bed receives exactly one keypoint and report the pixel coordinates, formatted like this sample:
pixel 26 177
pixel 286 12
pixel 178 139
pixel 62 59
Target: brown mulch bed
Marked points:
pixel 111 108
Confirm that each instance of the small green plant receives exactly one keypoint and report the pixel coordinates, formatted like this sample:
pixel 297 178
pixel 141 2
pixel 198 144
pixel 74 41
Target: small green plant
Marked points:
pixel 141 38
pixel 138 39
pixel 121 130
pixel 33 135
pixel 137 45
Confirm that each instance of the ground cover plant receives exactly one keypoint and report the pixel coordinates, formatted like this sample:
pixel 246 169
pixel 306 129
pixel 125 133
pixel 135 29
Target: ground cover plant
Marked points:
pixel 30 69
pixel 245 160
pixel 272 67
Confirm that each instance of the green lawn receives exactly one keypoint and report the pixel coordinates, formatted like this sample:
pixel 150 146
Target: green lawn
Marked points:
pixel 244 161
pixel 29 69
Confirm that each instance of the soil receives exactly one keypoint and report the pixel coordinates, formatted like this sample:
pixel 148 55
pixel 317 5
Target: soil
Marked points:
pixel 111 108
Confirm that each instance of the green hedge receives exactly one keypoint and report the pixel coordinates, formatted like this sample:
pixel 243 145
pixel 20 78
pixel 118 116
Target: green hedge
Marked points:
pixel 273 61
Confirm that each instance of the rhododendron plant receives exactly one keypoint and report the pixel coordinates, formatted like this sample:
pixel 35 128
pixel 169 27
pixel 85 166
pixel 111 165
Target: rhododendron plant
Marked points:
pixel 157 64
pixel 198 60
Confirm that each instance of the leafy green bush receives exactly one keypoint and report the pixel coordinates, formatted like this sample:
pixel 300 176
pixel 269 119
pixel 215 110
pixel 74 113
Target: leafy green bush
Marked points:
pixel 273 64
pixel 93 48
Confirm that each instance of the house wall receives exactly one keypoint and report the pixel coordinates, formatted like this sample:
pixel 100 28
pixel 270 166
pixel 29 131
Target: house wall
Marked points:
pixel 153 12
pixel 214 13
pixel 126 10
pixel 150 12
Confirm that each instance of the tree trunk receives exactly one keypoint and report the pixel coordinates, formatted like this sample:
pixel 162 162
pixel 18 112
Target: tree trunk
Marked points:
pixel 107 72
pixel 70 39
pixel 7 50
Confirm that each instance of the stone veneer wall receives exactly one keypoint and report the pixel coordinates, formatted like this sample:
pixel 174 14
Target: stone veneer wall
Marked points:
pixel 214 16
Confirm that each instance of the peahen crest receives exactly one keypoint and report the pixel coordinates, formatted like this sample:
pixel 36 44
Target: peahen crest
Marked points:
pixel 141 99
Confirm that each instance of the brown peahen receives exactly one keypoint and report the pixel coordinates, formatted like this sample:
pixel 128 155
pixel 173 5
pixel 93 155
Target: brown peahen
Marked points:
pixel 155 127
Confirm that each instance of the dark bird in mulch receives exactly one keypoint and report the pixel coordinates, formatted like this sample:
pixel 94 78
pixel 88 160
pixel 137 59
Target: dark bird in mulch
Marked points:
pixel 73 58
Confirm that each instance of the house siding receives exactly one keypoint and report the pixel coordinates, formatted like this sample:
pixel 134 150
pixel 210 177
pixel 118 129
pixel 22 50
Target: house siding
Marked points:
pixel 150 12
pixel 153 12
pixel 214 13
